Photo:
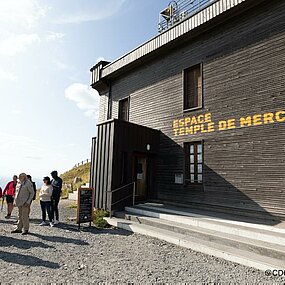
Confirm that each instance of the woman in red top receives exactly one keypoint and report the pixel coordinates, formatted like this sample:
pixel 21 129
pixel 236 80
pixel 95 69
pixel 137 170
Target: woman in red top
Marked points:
pixel 9 192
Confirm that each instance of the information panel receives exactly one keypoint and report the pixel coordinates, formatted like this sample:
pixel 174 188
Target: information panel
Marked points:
pixel 85 204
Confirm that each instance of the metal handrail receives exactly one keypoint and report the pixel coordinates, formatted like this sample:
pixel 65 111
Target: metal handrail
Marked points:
pixel 122 187
pixel 81 163
pixel 125 198
pixel 185 9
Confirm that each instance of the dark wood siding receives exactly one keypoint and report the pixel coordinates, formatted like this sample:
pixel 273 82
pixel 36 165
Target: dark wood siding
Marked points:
pixel 244 73
pixel 103 163
pixel 116 138
pixel 214 9
pixel 92 167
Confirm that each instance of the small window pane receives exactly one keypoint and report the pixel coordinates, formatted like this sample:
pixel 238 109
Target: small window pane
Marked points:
pixel 124 109
pixel 194 162
pixel 199 158
pixel 200 178
pixel 199 148
pixel 193 87
pixel 200 168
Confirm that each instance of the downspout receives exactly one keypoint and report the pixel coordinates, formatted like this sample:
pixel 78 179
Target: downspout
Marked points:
pixel 110 103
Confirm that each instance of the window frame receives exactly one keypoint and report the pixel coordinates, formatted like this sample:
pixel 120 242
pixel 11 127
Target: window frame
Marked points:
pixel 128 109
pixel 184 109
pixel 187 163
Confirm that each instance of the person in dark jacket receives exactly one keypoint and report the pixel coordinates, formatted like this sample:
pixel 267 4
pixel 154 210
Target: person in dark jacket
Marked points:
pixel 56 186
pixel 35 189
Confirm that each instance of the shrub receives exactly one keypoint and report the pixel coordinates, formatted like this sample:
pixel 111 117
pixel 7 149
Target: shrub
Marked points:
pixel 72 206
pixel 98 219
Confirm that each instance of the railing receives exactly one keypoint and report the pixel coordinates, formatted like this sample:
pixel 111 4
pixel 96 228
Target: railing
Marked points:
pixel 180 10
pixel 81 163
pixel 114 205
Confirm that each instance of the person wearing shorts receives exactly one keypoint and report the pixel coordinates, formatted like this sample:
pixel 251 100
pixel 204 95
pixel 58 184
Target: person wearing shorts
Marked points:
pixel 9 193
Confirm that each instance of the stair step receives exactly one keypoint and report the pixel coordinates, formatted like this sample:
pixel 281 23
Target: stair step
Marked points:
pixel 232 254
pixel 251 245
pixel 226 218
pixel 246 230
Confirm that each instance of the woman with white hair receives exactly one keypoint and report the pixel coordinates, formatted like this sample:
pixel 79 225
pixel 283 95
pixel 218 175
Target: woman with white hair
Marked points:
pixel 23 198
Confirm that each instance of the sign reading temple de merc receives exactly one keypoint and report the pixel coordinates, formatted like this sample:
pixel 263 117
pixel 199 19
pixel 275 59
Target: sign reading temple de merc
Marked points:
pixel 203 123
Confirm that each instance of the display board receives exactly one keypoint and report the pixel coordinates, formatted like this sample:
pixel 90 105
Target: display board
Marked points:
pixel 85 204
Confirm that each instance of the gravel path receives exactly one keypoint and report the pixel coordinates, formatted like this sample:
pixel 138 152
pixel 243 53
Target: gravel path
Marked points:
pixel 64 255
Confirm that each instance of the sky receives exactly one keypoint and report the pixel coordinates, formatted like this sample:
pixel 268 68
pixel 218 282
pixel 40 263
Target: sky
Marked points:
pixel 48 112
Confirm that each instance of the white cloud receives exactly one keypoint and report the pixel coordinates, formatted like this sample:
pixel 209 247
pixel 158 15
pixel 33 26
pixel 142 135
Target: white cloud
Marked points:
pixel 21 13
pixel 4 75
pixel 53 36
pixel 86 98
pixel 100 58
pixel 16 111
pixel 97 10
pixel 17 43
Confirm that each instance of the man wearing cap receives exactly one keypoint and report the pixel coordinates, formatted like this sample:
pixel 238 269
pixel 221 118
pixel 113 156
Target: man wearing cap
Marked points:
pixel 23 198
pixel 56 186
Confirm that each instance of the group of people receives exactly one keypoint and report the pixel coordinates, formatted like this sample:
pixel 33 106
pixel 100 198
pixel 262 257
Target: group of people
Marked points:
pixel 20 192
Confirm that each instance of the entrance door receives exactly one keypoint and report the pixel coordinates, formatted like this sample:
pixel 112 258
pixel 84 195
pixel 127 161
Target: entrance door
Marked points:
pixel 141 177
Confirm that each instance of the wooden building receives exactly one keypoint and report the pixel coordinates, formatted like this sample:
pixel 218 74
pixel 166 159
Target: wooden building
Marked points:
pixel 196 115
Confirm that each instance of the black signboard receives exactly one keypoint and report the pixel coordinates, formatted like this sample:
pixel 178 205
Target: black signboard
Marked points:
pixel 85 204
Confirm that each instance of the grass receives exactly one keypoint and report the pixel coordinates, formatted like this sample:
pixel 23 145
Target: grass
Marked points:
pixel 82 171
pixel 72 206
pixel 98 219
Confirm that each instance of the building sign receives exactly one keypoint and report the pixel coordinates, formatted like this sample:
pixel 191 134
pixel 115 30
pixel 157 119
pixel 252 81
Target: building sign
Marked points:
pixel 203 123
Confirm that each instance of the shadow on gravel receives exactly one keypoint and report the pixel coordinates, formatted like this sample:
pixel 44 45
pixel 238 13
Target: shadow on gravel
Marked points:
pixel 69 227
pixel 92 229
pixel 23 244
pixel 60 239
pixel 26 260
pixel 111 231
pixel 35 221
pixel 10 221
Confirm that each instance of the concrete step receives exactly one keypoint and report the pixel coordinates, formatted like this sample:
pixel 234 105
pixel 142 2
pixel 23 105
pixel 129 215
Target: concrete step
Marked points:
pixel 73 196
pixel 220 250
pixel 251 245
pixel 258 232
pixel 217 216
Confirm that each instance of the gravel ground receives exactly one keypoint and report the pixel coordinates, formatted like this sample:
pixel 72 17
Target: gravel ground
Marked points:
pixel 64 255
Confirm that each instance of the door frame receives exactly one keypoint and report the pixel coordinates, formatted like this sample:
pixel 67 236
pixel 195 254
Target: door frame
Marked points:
pixel 134 157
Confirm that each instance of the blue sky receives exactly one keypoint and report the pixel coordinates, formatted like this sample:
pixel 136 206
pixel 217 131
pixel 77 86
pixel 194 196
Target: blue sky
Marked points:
pixel 48 111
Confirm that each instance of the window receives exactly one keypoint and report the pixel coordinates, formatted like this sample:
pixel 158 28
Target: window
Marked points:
pixel 124 109
pixel 194 162
pixel 193 87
